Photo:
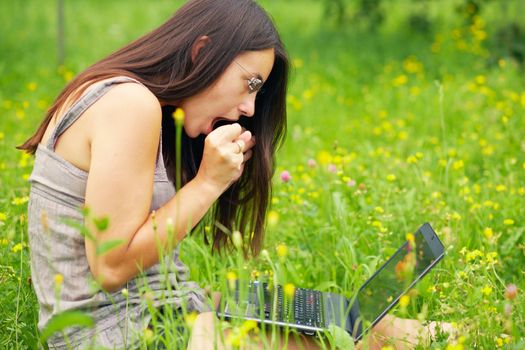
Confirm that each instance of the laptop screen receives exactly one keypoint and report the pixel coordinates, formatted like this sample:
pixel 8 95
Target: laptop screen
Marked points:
pixel 408 264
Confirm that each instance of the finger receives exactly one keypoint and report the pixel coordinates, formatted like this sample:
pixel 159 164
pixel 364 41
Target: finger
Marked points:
pixel 239 146
pixel 248 139
pixel 249 144
pixel 246 136
pixel 228 132
pixel 247 155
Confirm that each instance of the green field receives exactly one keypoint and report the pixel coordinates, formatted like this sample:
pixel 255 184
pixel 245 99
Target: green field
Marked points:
pixel 388 128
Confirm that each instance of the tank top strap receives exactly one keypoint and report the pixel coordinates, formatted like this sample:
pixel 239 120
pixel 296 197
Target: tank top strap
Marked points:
pixel 159 163
pixel 83 103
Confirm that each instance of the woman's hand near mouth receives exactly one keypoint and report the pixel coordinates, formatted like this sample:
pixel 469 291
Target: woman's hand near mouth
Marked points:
pixel 226 149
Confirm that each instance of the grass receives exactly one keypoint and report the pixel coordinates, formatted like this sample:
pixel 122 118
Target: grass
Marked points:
pixel 403 128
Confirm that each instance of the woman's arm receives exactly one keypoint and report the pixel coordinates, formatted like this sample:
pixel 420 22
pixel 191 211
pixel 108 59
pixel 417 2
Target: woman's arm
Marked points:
pixel 124 143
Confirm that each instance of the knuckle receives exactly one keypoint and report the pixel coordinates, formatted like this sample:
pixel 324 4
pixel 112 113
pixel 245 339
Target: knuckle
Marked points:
pixel 212 142
pixel 223 155
pixel 237 127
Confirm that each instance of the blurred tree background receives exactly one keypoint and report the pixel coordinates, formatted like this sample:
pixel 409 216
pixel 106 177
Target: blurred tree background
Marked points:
pixel 508 40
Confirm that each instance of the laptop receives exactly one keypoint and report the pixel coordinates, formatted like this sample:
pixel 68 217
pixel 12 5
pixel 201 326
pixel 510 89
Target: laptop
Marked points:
pixel 311 311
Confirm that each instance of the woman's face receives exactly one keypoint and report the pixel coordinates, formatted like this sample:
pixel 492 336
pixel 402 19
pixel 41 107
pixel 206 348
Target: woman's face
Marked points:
pixel 229 97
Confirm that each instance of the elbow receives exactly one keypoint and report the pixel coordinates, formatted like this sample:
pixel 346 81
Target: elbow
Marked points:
pixel 109 279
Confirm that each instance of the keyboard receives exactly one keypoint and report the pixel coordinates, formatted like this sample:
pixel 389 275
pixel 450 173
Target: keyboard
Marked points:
pixel 306 308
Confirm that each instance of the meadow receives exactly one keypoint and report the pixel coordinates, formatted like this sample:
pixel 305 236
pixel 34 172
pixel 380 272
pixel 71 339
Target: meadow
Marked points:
pixel 388 129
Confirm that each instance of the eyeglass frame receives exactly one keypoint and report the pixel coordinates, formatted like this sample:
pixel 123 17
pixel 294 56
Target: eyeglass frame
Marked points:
pixel 255 83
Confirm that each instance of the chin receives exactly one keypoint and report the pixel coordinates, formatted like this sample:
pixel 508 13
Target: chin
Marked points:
pixel 190 133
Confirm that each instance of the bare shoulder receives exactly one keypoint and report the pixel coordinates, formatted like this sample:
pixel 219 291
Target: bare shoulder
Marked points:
pixel 127 108
pixel 131 97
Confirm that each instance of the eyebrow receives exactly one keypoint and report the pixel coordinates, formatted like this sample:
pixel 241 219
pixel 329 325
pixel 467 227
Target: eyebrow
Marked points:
pixel 257 75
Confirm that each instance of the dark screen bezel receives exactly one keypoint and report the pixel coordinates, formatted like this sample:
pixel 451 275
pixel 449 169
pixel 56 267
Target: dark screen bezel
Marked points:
pixel 438 250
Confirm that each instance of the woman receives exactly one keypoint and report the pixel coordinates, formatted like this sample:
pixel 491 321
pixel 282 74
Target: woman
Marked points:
pixel 108 144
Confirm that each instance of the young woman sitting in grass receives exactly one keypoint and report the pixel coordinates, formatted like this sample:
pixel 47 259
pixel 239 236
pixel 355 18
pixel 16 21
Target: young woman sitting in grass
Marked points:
pixel 108 143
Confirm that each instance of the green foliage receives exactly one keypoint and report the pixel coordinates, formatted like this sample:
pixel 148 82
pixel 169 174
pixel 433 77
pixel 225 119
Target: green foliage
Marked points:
pixel 107 246
pixel 64 320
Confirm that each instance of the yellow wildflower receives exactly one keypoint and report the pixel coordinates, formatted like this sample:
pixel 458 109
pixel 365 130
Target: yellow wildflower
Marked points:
pixel 148 335
pixel 282 250
pixel 404 301
pixel 480 79
pixel 458 164
pixel 486 290
pixel 190 318
pixel 412 160
pixel 501 188
pixel 412 65
pixel 178 116
pixel 59 279
pixel 20 200
pixel 492 258
pixel 473 255
pixel 273 218
pixel 403 135
pixel 391 177
pixel 231 277
pixel 308 94
pixel 508 222
pixel 289 290
pixel 400 80
pixel 17 247
pixel 488 232
pixel 31 86
pixel 324 157
pixel 237 336
pixel 454 347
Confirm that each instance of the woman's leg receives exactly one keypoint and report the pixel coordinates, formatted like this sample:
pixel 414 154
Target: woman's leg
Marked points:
pixel 396 332
pixel 401 333
pixel 204 336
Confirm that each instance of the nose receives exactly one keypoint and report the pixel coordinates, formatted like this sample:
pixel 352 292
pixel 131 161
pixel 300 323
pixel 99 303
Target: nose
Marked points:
pixel 247 107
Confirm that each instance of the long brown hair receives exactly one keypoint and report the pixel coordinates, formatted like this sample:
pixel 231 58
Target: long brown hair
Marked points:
pixel 162 61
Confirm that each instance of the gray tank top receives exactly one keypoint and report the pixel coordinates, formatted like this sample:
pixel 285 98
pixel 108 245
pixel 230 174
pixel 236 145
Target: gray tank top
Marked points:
pixel 57 191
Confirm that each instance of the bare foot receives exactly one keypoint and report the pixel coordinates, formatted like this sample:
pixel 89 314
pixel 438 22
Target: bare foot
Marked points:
pixel 402 333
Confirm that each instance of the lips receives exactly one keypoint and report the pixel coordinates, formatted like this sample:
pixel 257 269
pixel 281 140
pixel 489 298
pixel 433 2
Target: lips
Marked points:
pixel 218 122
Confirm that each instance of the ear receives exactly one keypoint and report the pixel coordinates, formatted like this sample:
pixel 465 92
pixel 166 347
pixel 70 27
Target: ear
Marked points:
pixel 198 45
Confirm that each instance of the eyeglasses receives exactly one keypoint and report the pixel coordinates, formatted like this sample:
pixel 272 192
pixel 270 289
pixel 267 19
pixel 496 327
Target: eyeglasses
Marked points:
pixel 255 82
